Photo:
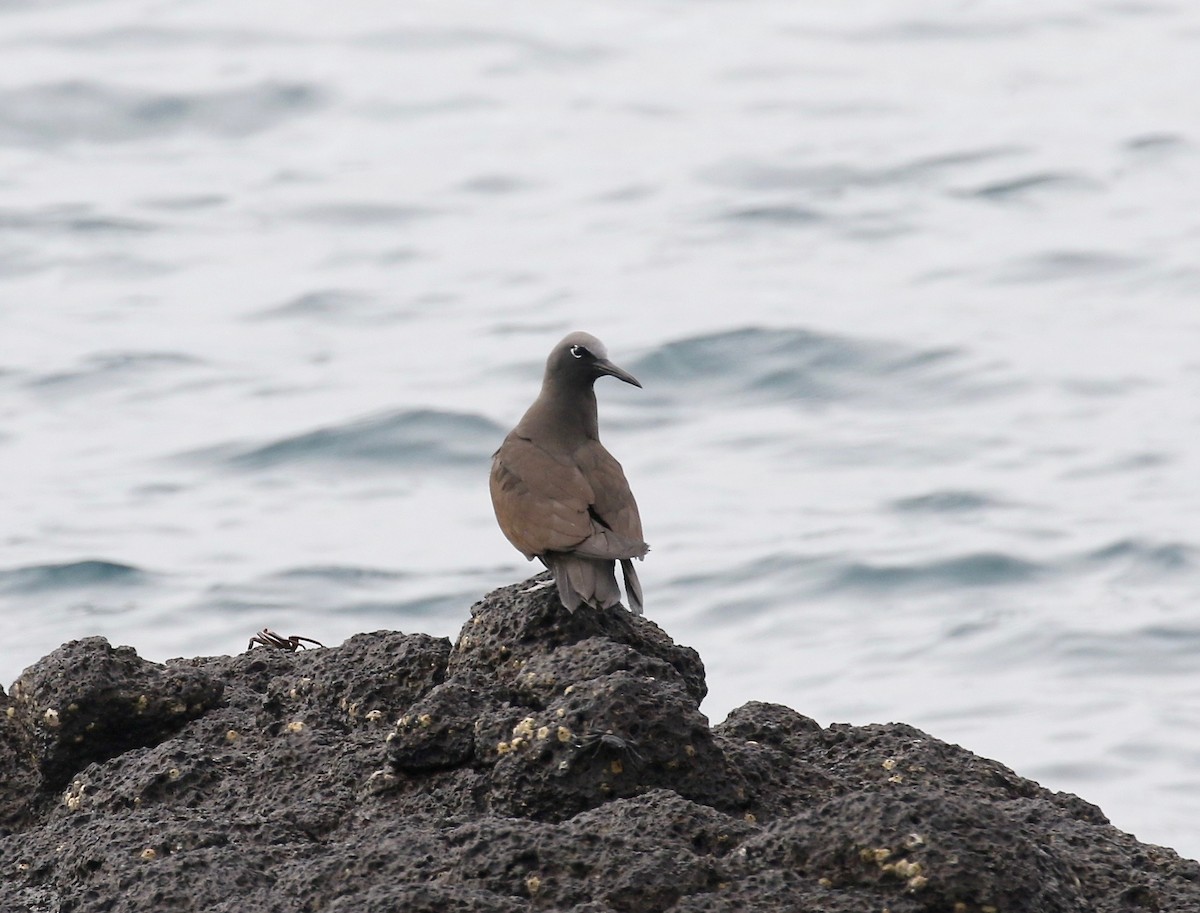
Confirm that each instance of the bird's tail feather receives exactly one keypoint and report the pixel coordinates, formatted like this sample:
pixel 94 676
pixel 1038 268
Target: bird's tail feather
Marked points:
pixel 584 580
pixel 633 587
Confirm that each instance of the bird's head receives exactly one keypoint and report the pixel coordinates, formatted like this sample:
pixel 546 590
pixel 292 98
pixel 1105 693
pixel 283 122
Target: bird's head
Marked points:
pixel 580 359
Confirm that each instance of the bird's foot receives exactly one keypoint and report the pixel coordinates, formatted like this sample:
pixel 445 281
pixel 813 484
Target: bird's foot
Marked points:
pixel 539 586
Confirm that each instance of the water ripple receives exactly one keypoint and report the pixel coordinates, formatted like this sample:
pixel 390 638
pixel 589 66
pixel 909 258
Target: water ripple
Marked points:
pixel 1024 184
pixel 341 574
pixel 130 39
pixel 780 214
pixel 1137 554
pixel 533 52
pixel 361 213
pixel 1068 264
pixel 48 115
pixel 798 365
pixel 834 180
pixel 979 569
pixel 105 369
pixel 70 575
pixel 325 305
pixel 74 218
pixel 941 502
pixel 422 437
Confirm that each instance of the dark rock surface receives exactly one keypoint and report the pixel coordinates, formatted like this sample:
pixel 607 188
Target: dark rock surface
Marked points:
pixel 547 761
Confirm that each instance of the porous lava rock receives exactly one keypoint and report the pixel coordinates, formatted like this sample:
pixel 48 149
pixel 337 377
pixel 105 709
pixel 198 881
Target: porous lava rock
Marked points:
pixel 545 761
pixel 89 701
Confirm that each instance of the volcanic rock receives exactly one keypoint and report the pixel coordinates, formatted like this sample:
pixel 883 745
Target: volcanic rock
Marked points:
pixel 547 760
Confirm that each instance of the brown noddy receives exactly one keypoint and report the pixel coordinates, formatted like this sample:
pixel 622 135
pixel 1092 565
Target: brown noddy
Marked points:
pixel 559 496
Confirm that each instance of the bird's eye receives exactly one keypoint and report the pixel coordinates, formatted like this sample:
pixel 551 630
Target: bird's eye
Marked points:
pixel 579 351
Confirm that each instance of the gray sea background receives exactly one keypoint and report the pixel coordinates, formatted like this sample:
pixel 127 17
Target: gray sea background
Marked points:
pixel 913 289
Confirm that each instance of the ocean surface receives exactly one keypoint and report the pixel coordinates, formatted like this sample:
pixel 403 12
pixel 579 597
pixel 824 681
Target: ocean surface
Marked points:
pixel 913 289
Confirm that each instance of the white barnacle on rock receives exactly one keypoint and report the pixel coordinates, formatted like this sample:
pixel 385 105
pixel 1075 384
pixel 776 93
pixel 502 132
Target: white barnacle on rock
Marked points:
pixel 374 716
pixel 295 726
pixel 149 854
pixel 425 720
pixel 543 733
pixel 380 780
pixel 906 868
pixel 73 797
pixel 51 718
pixel 524 729
pixel 565 734
pixel 889 763
pixel 141 703
pixel 173 774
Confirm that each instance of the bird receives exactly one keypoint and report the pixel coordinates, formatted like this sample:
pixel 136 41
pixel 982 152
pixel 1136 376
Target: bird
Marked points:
pixel 559 495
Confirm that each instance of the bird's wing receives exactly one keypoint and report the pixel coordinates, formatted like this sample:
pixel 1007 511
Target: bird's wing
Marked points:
pixel 541 503
pixel 619 526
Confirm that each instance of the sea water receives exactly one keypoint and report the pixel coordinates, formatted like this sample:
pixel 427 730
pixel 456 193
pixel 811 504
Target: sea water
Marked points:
pixel 912 289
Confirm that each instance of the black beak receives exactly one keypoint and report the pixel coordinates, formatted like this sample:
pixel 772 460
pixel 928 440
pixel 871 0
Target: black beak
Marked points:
pixel 604 366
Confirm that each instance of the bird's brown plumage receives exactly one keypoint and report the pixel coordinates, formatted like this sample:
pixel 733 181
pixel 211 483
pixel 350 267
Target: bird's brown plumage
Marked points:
pixel 559 495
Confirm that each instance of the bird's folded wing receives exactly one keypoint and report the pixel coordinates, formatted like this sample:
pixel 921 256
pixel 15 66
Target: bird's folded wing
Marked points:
pixel 541 503
pixel 604 543
pixel 613 503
